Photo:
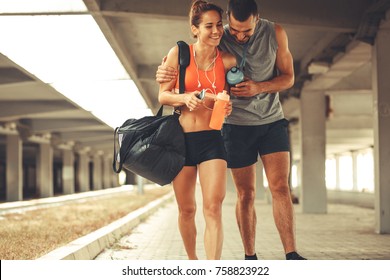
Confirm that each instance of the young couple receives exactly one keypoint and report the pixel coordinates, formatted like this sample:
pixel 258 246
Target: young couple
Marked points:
pixel 254 125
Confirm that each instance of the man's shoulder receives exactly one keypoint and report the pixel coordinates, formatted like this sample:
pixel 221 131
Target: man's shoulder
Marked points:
pixel 271 24
pixel 225 31
pixel 266 21
pixel 225 38
pixel 265 24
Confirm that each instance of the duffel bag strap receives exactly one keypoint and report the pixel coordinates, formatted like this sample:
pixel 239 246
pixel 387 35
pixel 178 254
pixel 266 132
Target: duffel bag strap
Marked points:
pixel 184 61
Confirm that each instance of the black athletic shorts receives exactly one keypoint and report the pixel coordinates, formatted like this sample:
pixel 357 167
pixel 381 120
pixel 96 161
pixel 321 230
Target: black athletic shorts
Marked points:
pixel 204 145
pixel 244 143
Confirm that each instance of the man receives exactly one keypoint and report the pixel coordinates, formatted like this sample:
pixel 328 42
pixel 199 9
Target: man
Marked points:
pixel 256 125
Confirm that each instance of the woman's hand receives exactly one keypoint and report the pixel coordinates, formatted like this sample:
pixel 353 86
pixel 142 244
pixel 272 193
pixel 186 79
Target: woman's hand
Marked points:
pixel 228 108
pixel 192 101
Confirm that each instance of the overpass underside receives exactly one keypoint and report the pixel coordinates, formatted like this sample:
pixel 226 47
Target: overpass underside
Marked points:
pixel 340 101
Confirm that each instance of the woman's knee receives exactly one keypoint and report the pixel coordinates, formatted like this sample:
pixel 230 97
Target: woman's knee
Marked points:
pixel 213 210
pixel 187 212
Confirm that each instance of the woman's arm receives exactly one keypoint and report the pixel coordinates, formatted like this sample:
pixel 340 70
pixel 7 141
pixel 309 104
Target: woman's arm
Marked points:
pixel 167 95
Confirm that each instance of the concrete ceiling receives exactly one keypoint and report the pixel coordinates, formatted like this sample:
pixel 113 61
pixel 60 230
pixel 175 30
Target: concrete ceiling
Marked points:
pixel 333 37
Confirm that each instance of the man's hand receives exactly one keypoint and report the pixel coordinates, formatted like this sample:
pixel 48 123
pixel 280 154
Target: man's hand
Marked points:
pixel 246 88
pixel 165 73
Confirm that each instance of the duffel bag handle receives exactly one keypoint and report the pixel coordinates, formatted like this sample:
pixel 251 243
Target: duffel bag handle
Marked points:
pixel 116 154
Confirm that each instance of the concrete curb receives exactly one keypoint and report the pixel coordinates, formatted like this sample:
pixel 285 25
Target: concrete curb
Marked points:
pixel 90 245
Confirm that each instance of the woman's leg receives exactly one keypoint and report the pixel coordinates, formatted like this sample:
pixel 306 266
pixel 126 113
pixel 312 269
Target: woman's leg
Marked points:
pixel 212 175
pixel 184 187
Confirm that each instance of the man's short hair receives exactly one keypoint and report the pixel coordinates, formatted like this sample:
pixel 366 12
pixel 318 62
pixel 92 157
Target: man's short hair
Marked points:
pixel 242 9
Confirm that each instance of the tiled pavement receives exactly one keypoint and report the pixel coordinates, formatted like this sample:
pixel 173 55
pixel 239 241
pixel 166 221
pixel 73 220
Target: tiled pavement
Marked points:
pixel 344 233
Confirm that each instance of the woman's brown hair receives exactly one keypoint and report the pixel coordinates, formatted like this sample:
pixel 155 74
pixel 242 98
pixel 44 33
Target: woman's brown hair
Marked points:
pixel 198 8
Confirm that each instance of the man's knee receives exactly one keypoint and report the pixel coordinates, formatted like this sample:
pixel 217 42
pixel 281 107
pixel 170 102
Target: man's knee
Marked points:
pixel 280 190
pixel 246 196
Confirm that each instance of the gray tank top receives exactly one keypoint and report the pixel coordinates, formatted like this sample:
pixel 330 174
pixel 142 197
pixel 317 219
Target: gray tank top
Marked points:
pixel 260 60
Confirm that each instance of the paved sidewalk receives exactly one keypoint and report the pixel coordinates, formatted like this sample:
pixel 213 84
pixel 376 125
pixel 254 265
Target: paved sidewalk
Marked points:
pixel 345 233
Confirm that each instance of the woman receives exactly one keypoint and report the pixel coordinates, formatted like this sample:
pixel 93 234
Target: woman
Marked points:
pixel 205 148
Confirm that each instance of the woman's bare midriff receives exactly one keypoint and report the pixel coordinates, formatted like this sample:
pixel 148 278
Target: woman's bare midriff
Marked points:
pixel 198 120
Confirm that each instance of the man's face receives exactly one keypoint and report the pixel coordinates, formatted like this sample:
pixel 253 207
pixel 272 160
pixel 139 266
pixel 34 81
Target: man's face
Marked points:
pixel 242 30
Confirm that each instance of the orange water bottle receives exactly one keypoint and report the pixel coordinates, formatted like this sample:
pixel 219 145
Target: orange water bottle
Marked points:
pixel 219 112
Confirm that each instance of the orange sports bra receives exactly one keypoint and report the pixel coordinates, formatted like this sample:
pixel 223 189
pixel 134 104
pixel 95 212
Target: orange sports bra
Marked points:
pixel 206 79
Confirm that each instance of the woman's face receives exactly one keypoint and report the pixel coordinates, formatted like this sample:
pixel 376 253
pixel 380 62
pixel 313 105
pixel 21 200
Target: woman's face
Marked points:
pixel 210 29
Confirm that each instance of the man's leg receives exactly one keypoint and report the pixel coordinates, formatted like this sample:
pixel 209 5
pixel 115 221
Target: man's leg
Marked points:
pixel 277 167
pixel 245 182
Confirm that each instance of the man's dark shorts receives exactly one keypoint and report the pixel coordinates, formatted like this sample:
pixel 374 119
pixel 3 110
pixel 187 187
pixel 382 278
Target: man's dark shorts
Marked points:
pixel 244 143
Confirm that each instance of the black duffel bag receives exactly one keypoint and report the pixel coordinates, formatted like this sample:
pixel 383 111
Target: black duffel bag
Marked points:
pixel 153 147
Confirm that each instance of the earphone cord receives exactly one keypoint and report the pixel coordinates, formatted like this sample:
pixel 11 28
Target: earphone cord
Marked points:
pixel 213 91
pixel 197 70
pixel 212 83
pixel 204 105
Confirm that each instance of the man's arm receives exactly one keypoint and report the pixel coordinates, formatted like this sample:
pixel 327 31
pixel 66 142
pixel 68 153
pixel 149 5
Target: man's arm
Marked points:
pixel 165 73
pixel 284 64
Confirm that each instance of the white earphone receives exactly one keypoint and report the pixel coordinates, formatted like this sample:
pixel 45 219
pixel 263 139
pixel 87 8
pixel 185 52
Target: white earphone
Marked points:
pixel 197 70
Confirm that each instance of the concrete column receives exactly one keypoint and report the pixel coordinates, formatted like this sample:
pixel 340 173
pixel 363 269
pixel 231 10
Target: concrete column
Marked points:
pixel 83 172
pixel 381 98
pixel 114 180
pixel 130 177
pixel 299 174
pixel 298 190
pixel 354 155
pixel 230 182
pixel 45 170
pixel 68 171
pixel 140 184
pixel 14 168
pixel 107 172
pixel 97 172
pixel 338 184
pixel 314 198
pixel 260 191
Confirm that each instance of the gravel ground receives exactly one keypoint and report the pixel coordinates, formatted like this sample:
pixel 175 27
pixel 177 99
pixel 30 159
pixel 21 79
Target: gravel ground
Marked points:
pixel 27 235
